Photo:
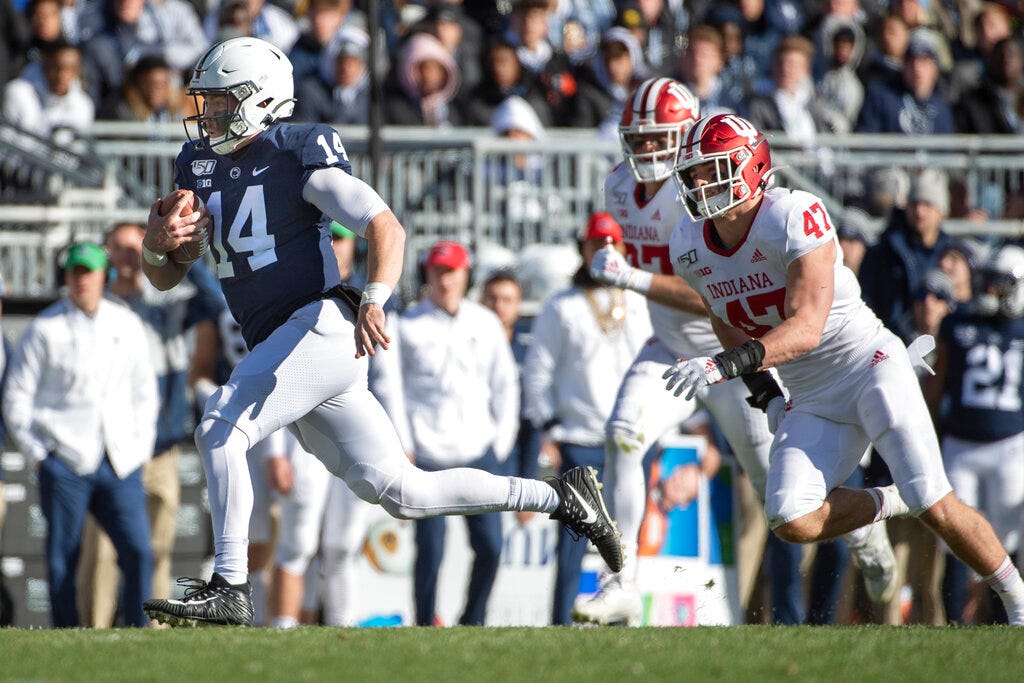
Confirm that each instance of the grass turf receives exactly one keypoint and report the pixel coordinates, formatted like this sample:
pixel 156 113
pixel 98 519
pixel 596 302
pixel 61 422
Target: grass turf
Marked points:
pixel 411 655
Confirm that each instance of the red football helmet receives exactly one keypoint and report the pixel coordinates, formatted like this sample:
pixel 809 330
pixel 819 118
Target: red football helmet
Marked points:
pixel 653 123
pixel 742 162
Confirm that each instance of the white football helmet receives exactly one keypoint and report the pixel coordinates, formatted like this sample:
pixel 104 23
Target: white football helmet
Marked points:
pixel 1002 283
pixel 240 87
pixel 659 106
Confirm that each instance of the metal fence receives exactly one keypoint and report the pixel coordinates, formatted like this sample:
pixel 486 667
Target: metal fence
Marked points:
pixel 466 184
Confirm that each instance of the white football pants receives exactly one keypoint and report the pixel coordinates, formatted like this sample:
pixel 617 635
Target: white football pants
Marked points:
pixel 305 375
pixel 644 411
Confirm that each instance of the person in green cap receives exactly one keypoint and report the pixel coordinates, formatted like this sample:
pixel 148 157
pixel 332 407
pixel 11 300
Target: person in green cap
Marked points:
pixel 343 242
pixel 81 405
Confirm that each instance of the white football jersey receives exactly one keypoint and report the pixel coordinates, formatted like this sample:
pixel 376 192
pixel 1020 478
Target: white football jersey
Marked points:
pixel 746 285
pixel 646 227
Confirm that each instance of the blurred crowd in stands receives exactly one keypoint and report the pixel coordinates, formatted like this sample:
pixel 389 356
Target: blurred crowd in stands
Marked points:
pixel 910 66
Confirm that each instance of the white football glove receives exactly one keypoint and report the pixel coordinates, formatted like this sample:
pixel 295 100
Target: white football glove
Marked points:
pixel 610 267
pixel 691 375
pixel 775 411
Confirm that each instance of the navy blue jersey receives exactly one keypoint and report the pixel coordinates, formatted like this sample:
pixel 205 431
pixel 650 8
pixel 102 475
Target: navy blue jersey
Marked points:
pixel 272 248
pixel 983 392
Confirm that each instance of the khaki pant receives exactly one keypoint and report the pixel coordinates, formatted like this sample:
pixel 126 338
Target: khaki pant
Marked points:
pixel 920 563
pixel 98 575
pixel 752 533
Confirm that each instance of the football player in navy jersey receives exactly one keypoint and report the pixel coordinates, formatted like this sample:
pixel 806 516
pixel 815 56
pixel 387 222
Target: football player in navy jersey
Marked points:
pixel 977 396
pixel 270 191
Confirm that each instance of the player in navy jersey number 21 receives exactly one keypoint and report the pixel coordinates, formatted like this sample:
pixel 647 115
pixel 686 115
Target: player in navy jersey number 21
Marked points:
pixel 977 396
pixel 270 191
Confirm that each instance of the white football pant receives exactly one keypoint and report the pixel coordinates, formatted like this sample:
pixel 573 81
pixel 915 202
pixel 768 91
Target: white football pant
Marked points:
pixel 644 411
pixel 990 478
pixel 306 375
pixel 823 436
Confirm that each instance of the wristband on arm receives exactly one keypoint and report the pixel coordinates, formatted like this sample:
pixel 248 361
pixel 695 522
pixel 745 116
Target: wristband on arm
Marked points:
pixel 640 281
pixel 153 258
pixel 375 293
pixel 742 359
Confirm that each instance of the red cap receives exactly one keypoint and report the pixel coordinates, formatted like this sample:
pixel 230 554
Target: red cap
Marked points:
pixel 602 225
pixel 449 255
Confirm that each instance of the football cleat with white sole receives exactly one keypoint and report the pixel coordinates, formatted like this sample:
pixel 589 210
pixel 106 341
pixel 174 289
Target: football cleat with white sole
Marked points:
pixel 615 602
pixel 877 563
pixel 582 510
pixel 212 603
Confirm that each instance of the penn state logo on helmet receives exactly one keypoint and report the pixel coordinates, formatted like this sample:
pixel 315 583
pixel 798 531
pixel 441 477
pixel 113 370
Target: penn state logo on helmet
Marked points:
pixel 240 87
pixel 742 165
pixel 1002 283
pixel 653 123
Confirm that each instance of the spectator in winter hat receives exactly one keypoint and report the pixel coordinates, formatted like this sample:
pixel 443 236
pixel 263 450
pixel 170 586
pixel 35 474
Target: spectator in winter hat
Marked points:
pixel 427 83
pixel 916 106
pixel 603 88
pixel 515 118
pixel 340 91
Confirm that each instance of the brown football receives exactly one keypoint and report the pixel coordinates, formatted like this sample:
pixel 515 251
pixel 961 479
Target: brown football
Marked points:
pixel 188 252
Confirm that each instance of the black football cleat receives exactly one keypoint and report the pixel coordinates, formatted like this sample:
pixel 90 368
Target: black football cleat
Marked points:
pixel 213 603
pixel 583 511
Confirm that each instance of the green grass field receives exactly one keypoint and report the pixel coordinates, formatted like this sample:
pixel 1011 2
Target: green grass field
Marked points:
pixel 411 655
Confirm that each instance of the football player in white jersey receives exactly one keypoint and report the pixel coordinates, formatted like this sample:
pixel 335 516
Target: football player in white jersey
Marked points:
pixel 282 285
pixel 641 197
pixel 768 266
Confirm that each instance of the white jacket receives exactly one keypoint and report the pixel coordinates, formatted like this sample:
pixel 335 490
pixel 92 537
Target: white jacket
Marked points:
pixel 573 370
pixel 460 381
pixel 78 385
pixel 29 103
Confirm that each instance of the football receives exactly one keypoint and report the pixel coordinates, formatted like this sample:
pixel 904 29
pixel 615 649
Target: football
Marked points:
pixel 188 252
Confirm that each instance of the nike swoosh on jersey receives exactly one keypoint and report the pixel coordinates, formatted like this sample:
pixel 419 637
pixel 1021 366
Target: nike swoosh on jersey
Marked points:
pixel 591 513
pixel 257 171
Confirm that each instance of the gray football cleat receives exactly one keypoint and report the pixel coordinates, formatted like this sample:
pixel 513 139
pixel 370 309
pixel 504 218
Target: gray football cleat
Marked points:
pixel 213 603
pixel 877 563
pixel 616 602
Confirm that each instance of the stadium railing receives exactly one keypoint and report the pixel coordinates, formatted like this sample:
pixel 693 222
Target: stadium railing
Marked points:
pixel 467 184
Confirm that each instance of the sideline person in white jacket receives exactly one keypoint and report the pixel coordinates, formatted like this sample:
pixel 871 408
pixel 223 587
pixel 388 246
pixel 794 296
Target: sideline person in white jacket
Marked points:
pixel 462 401
pixel 81 404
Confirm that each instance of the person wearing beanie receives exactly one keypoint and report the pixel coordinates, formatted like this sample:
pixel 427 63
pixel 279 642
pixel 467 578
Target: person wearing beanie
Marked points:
pixel 916 105
pixel 603 86
pixel 911 243
pixel 338 91
pixel 514 117
pixel 427 82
